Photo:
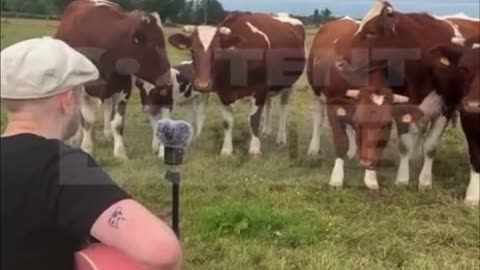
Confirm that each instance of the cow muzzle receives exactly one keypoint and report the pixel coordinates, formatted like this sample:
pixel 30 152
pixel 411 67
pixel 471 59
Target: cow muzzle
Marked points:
pixel 203 86
pixel 165 80
pixel 471 106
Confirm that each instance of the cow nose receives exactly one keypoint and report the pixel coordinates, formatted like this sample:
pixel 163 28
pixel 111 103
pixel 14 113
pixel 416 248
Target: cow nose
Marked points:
pixel 472 106
pixel 202 86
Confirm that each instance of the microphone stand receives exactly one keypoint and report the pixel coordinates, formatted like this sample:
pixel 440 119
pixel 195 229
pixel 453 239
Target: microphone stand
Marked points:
pixel 173 160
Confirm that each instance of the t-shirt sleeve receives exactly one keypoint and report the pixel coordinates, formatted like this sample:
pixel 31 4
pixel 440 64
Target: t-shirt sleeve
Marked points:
pixel 84 192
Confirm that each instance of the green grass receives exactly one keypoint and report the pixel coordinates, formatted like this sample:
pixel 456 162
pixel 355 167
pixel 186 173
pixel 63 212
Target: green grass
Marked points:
pixel 278 212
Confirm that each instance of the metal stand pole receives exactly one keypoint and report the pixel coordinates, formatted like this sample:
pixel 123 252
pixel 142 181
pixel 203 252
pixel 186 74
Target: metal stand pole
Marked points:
pixel 174 177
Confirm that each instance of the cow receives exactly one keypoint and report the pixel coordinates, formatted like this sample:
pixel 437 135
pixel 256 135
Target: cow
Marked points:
pixel 183 93
pixel 389 51
pixel 456 69
pixel 120 44
pixel 468 26
pixel 332 39
pixel 248 55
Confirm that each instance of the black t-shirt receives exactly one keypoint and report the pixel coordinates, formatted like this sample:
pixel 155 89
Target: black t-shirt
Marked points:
pixel 51 195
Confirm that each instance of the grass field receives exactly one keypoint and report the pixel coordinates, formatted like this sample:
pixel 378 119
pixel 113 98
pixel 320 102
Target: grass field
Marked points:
pixel 278 213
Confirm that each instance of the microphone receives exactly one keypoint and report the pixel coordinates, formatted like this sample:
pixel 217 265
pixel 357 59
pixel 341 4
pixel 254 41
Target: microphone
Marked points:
pixel 175 136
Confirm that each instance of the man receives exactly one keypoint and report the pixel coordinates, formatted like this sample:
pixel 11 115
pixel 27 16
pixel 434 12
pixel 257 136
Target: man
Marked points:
pixel 55 200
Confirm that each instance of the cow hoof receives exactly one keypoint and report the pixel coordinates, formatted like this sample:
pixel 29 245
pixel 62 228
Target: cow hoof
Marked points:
pixel 313 153
pixel 281 141
pixel 255 155
pixel 472 203
pixel 87 149
pixel 335 187
pixel 424 187
pixel 108 135
pixel 401 182
pixel 351 154
pixel 267 132
pixel 373 187
pixel 121 155
pixel 226 153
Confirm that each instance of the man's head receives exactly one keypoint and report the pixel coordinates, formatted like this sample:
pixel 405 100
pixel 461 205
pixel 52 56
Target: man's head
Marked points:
pixel 41 87
pixel 205 42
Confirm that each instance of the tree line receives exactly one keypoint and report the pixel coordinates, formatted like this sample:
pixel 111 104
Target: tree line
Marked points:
pixel 176 11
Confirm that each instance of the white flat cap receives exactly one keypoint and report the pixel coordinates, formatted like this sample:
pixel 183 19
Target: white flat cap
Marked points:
pixel 43 67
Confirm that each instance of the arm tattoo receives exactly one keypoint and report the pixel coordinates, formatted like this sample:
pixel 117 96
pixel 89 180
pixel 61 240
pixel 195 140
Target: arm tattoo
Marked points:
pixel 116 218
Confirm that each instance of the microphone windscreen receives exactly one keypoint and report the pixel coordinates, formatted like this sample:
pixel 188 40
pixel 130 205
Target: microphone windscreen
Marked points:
pixel 175 134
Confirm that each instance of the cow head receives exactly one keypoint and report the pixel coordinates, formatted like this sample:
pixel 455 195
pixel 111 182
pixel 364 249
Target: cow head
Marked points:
pixel 144 54
pixel 378 30
pixel 154 98
pixel 372 112
pixel 206 43
pixel 456 72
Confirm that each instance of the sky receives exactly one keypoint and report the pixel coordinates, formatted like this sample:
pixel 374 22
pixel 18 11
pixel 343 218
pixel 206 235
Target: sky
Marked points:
pixel 354 8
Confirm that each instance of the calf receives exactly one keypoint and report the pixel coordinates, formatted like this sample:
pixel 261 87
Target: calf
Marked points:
pixel 247 55
pixel 457 72
pixel 182 93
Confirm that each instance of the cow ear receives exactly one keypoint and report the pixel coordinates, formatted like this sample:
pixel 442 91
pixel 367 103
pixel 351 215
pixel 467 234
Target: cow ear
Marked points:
pixel 342 108
pixel 180 41
pixel 407 113
pixel 446 55
pixel 230 42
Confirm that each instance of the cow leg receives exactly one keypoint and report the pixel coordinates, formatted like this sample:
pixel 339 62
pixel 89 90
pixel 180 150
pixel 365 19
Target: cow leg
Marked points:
pixel 267 121
pixel 200 113
pixel 340 141
pixel 157 147
pixel 429 149
pixel 352 143
pixel 228 121
pixel 255 121
pixel 318 114
pixel 118 124
pixel 107 117
pixel 282 128
pixel 406 145
pixel 472 197
pixel 88 108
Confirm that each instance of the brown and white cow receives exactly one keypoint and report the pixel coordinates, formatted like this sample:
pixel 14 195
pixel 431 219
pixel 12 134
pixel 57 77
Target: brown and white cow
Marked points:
pixel 121 44
pixel 467 26
pixel 332 40
pixel 247 55
pixel 389 51
pixel 456 69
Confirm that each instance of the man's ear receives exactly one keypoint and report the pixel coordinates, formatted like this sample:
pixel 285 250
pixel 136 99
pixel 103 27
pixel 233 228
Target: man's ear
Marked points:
pixel 407 113
pixel 342 108
pixel 230 42
pixel 180 41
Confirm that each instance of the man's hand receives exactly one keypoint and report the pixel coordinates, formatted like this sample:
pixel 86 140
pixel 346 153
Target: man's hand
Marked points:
pixel 132 229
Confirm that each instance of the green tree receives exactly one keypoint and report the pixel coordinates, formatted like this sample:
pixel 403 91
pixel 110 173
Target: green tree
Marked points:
pixel 326 15
pixel 316 19
pixel 214 12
